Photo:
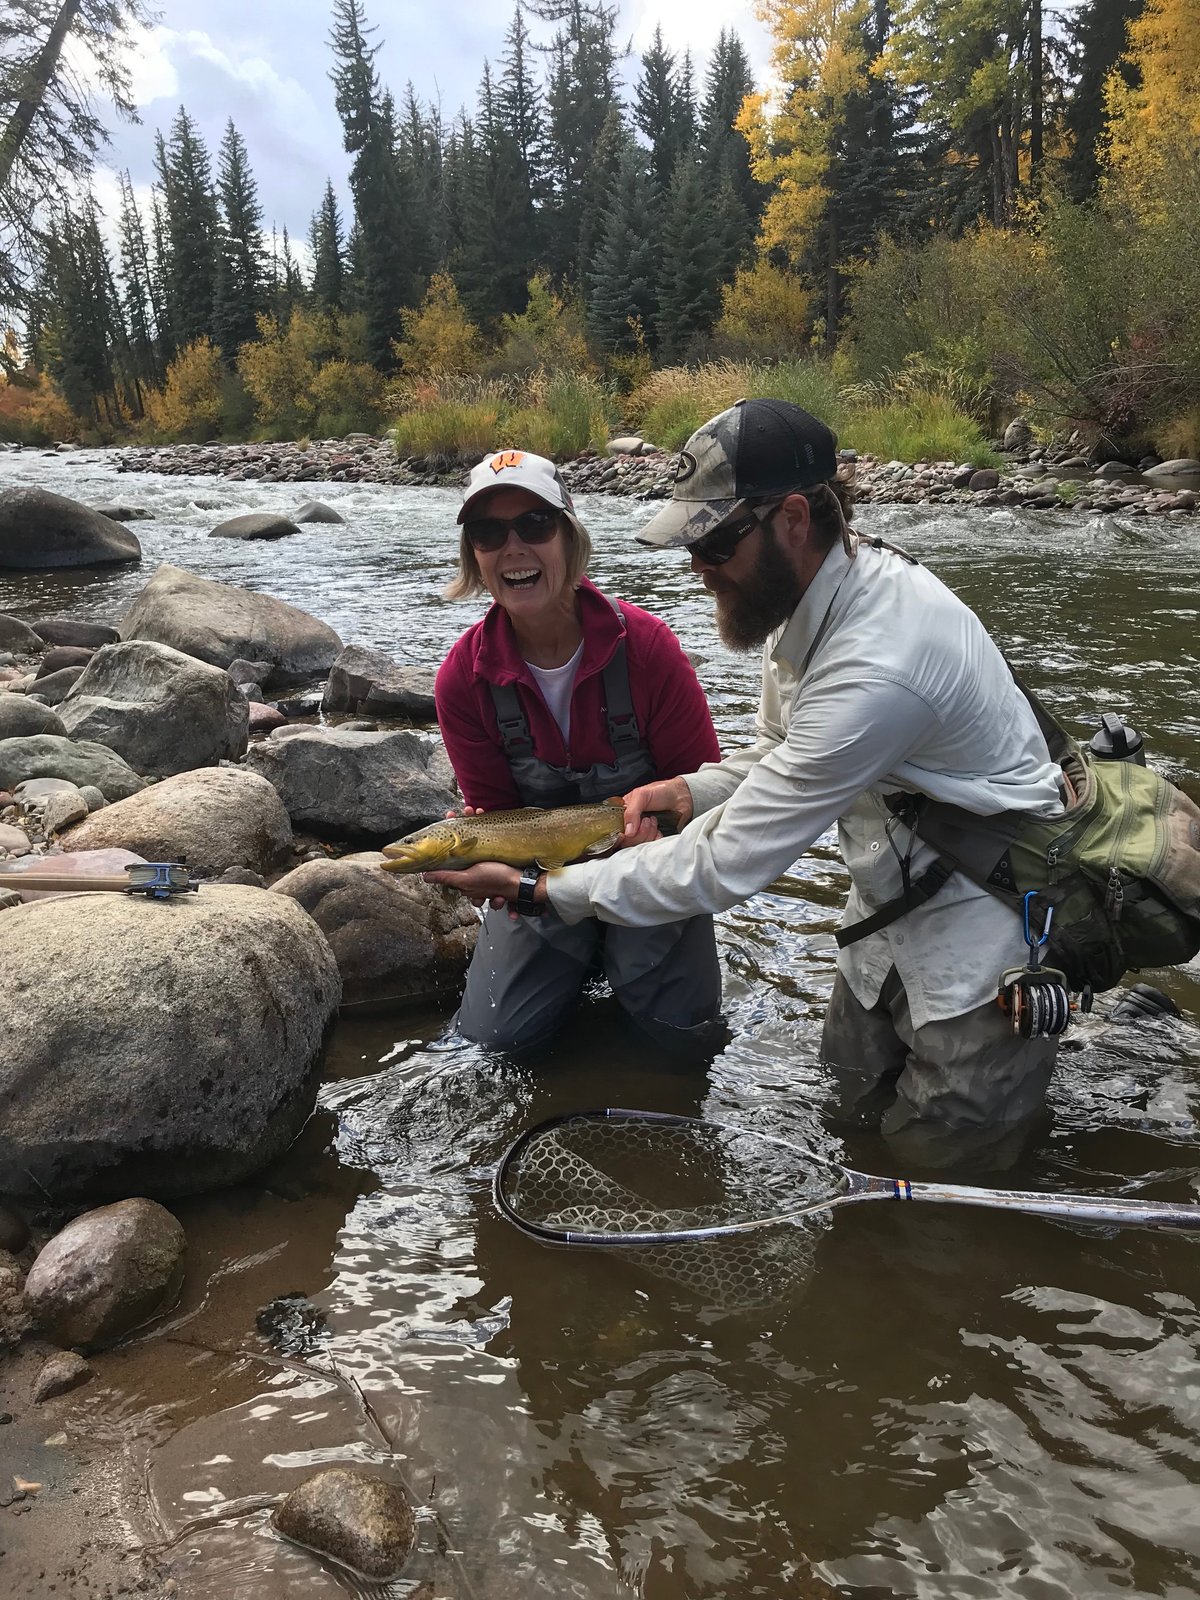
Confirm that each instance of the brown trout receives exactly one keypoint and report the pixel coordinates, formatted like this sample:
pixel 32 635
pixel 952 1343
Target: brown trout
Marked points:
pixel 529 837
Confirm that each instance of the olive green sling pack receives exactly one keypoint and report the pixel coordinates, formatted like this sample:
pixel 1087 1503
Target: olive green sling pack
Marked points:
pixel 1121 867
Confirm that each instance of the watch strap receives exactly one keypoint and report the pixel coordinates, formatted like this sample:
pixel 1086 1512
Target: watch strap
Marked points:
pixel 525 902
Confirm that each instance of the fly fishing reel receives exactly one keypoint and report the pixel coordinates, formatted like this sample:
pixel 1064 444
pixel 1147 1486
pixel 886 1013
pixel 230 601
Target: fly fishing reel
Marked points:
pixel 1036 998
pixel 160 880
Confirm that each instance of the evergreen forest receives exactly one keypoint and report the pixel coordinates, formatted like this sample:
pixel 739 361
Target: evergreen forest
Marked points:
pixel 932 215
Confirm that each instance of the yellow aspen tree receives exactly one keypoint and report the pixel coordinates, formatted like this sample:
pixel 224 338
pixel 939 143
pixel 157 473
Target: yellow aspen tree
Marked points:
pixel 1157 122
pixel 819 61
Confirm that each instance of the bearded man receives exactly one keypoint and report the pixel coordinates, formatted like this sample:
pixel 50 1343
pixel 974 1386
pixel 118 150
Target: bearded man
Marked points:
pixel 878 684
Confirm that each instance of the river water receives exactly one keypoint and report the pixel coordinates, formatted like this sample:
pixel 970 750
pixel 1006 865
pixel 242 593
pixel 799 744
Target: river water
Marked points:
pixel 945 1403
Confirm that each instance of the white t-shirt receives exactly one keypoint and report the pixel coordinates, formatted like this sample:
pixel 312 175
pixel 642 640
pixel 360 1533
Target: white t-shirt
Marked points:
pixel 557 685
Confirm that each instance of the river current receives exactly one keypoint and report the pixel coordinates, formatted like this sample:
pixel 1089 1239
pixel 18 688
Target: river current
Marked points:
pixel 945 1403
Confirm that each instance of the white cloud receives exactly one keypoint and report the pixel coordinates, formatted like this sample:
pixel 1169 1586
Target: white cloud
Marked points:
pixel 694 25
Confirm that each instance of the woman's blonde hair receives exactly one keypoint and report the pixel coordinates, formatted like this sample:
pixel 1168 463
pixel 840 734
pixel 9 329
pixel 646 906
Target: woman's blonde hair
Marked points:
pixel 468 580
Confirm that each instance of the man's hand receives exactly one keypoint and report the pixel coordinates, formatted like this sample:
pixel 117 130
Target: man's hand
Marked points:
pixel 671 795
pixel 487 883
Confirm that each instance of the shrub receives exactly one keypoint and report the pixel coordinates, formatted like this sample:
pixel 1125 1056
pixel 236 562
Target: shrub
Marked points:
pixel 439 336
pixel 33 412
pixel 447 433
pixel 922 428
pixel 764 312
pixel 673 403
pixel 346 397
pixel 279 368
pixel 188 406
pixel 548 334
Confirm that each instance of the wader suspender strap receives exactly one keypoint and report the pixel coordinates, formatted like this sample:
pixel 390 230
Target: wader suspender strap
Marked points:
pixel 623 732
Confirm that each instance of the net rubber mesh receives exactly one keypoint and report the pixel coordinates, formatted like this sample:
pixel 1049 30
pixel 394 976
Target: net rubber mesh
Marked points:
pixel 623 1177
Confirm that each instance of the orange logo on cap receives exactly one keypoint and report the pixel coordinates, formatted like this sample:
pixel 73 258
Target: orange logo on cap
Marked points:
pixel 507 458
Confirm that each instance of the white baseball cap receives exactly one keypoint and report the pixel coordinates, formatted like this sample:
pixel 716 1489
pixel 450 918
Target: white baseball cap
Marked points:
pixel 517 469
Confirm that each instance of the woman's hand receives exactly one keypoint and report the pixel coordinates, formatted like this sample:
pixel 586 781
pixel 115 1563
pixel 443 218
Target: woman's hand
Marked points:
pixel 671 795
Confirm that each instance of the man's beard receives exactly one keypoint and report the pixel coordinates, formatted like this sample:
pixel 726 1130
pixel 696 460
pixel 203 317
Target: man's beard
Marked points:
pixel 762 601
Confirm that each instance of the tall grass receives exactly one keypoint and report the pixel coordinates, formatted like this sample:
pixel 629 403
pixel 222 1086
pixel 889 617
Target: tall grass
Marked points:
pixel 673 403
pixel 451 421
pixel 925 427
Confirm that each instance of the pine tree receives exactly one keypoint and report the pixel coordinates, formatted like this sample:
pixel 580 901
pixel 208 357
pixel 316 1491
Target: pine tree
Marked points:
pixel 722 143
pixel 521 112
pixel 192 226
pixel 240 294
pixel 1096 35
pixel 142 312
pixel 329 255
pixel 664 110
pixel 582 92
pixel 623 302
pixel 495 262
pixel 85 318
pixel 611 148
pixel 383 201
pixel 694 262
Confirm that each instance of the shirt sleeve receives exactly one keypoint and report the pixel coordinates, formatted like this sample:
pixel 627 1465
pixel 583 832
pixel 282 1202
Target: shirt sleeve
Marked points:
pixel 845 734
pixel 680 734
pixel 484 776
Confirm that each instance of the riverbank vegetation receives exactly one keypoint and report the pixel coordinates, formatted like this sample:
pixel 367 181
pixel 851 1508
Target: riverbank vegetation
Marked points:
pixel 933 216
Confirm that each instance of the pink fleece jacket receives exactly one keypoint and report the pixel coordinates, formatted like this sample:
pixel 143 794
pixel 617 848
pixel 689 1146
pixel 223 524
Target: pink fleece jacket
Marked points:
pixel 672 712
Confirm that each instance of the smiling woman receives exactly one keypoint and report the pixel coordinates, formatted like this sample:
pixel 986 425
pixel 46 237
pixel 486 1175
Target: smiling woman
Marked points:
pixel 561 696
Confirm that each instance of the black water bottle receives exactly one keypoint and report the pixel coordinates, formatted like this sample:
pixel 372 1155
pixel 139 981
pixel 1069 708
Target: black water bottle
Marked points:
pixel 1117 741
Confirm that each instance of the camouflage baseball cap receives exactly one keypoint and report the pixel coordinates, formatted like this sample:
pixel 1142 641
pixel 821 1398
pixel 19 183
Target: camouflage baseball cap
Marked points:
pixel 756 451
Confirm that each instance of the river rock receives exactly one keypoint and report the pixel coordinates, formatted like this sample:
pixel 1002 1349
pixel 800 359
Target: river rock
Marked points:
pixel 164 711
pixel 265 718
pixel 218 623
pixel 1018 435
pixel 394 938
pixel 245 672
pixel 119 512
pixel 14 1315
pixel 348 785
pixel 13 841
pixel 18 636
pixel 59 809
pixel 629 444
pixel 353 1517
pixel 62 1373
pixel 20 717
pixel 255 525
pixel 106 1273
pixel 317 511
pixel 1181 472
pixel 172 1053
pixel 67 631
pixel 46 755
pixel 39 529
pixel 213 818
pixel 984 478
pixel 367 680
pixel 60 656
pixel 54 689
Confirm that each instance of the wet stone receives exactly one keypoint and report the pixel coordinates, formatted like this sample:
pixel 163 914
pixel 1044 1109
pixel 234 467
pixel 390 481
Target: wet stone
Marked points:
pixel 62 1373
pixel 352 1517
pixel 292 1325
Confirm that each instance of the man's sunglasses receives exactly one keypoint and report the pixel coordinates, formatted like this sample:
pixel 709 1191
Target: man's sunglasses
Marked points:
pixel 531 527
pixel 719 546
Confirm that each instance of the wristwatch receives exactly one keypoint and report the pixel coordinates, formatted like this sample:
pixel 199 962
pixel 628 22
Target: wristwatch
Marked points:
pixel 525 903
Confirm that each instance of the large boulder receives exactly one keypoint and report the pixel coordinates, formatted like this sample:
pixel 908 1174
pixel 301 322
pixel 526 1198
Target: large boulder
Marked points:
pixel 218 623
pixel 214 818
pixel 45 755
pixel 1183 472
pixel 40 529
pixel 344 784
pixel 106 1273
pixel 164 711
pixel 19 716
pixel 18 636
pixel 255 525
pixel 395 939
pixel 157 1048
pixel 317 511
pixel 367 680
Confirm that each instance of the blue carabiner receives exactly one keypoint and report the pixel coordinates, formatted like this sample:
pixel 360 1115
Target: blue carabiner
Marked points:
pixel 1031 939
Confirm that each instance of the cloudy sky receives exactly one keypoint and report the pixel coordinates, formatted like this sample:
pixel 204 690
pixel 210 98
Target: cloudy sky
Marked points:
pixel 265 63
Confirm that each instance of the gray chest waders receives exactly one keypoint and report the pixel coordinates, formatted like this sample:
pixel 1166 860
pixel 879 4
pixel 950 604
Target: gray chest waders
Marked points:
pixel 541 784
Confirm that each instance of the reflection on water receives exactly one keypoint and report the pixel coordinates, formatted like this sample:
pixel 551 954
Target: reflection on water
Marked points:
pixel 958 1403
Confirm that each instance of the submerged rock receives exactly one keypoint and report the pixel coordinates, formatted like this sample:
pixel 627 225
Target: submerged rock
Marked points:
pixel 39 529
pixel 106 1273
pixel 214 818
pixel 220 623
pixel 352 1517
pixel 62 1373
pixel 317 511
pixel 157 1048
pixel 255 525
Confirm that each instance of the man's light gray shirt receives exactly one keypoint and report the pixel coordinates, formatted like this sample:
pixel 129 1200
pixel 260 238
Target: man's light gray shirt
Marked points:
pixel 904 691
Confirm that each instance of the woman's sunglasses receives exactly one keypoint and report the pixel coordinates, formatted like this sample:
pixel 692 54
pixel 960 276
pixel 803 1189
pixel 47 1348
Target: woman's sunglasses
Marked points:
pixel 717 547
pixel 531 527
